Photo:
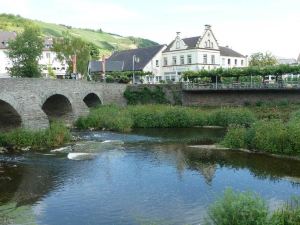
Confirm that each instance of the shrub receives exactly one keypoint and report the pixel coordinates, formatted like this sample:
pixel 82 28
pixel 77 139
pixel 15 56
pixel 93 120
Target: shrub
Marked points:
pixel 106 117
pixel 235 137
pixel 238 209
pixel 56 135
pixel 288 215
pixel 271 136
pixel 166 116
pixel 231 116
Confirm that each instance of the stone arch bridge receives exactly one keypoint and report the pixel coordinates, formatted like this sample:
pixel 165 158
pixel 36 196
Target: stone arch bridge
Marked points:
pixel 32 103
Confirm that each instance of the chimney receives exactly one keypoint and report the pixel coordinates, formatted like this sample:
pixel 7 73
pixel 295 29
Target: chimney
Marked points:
pixel 207 27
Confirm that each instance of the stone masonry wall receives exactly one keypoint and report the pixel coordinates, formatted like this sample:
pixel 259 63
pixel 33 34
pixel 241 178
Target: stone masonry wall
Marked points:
pixel 27 97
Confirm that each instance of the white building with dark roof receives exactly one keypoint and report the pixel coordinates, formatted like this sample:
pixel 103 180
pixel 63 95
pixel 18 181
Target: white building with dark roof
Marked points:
pixel 48 61
pixel 198 53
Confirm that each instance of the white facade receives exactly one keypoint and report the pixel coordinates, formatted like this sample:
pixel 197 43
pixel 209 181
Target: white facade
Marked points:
pixel 48 60
pixel 197 53
pixel 155 67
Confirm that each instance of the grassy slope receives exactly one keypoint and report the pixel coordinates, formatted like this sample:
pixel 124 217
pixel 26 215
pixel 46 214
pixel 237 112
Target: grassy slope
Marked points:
pixel 105 41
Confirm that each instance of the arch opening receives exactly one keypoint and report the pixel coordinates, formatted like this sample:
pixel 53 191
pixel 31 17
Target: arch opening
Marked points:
pixel 9 117
pixel 58 107
pixel 92 100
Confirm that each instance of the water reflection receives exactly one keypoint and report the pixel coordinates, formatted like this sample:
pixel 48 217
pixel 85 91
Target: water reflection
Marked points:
pixel 144 181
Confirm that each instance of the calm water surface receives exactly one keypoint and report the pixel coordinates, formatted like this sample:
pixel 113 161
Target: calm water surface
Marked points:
pixel 153 178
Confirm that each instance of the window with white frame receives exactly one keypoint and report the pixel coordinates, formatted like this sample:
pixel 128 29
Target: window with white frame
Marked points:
pixel 189 59
pixel 205 59
pixel 235 62
pixel 242 62
pixel 213 59
pixel 229 62
pixel 157 63
pixel 48 55
pixel 177 44
pixel 165 61
pixel 182 60
pixel 223 62
pixel 174 60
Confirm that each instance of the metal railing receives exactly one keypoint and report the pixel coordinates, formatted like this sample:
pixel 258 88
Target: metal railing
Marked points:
pixel 239 86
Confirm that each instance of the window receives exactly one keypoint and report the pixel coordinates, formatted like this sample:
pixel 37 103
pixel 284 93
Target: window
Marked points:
pixel 208 44
pixel 181 60
pixel 223 62
pixel 173 78
pixel 47 55
pixel 189 59
pixel 165 61
pixel 167 77
pixel 229 62
pixel 213 59
pixel 212 45
pixel 157 63
pixel 205 59
pixel 242 62
pixel 235 62
pixel 174 60
pixel 177 44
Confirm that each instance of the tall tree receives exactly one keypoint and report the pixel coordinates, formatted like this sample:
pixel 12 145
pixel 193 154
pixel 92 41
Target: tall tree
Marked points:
pixel 69 46
pixel 25 52
pixel 262 59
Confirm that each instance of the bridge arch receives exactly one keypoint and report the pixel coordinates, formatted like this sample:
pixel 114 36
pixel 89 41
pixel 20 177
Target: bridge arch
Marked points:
pixel 92 100
pixel 58 107
pixel 10 118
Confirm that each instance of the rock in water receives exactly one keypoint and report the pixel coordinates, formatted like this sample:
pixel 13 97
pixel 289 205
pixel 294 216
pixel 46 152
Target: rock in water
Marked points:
pixel 81 156
pixel 113 142
pixel 67 149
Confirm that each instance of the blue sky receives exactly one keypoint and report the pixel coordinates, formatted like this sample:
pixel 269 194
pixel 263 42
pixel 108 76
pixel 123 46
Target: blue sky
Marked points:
pixel 246 26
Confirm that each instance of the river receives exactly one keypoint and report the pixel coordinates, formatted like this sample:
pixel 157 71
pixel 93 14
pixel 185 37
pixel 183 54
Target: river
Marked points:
pixel 146 177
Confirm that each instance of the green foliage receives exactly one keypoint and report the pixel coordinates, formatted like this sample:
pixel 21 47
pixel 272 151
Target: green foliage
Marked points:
pixel 271 136
pixel 254 71
pixel 166 116
pixel 106 117
pixel 145 96
pixel 105 42
pixel 69 46
pixel 288 215
pixel 260 59
pixel 155 116
pixel 55 136
pixel 250 209
pixel 231 116
pixel 24 53
pixel 238 209
pixel 235 137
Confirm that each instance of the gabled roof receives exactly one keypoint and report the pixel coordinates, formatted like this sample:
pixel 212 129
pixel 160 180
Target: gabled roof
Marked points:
pixel 190 42
pixel 145 55
pixel 110 66
pixel 5 37
pixel 225 51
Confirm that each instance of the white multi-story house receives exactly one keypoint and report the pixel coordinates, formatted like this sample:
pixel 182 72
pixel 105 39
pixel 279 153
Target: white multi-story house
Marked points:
pixel 198 53
pixel 167 63
pixel 48 61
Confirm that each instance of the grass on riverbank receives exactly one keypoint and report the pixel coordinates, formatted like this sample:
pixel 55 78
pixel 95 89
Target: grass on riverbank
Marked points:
pixel 162 116
pixel 272 136
pixel 56 135
pixel 249 209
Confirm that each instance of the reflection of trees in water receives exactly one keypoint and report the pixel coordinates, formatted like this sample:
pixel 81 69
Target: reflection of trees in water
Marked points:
pixel 207 161
pixel 261 166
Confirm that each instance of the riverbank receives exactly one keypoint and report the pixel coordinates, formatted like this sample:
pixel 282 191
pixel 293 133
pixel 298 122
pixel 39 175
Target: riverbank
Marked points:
pixel 162 116
pixel 56 135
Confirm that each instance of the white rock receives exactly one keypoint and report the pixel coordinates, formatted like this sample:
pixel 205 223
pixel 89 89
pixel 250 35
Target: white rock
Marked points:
pixel 62 150
pixel 81 156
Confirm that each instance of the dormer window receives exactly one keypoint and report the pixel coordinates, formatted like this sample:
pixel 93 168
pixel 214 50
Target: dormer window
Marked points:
pixel 177 44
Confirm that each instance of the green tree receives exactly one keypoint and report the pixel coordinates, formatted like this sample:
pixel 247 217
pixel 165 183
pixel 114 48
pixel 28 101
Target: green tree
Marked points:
pixel 262 59
pixel 69 46
pixel 24 52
